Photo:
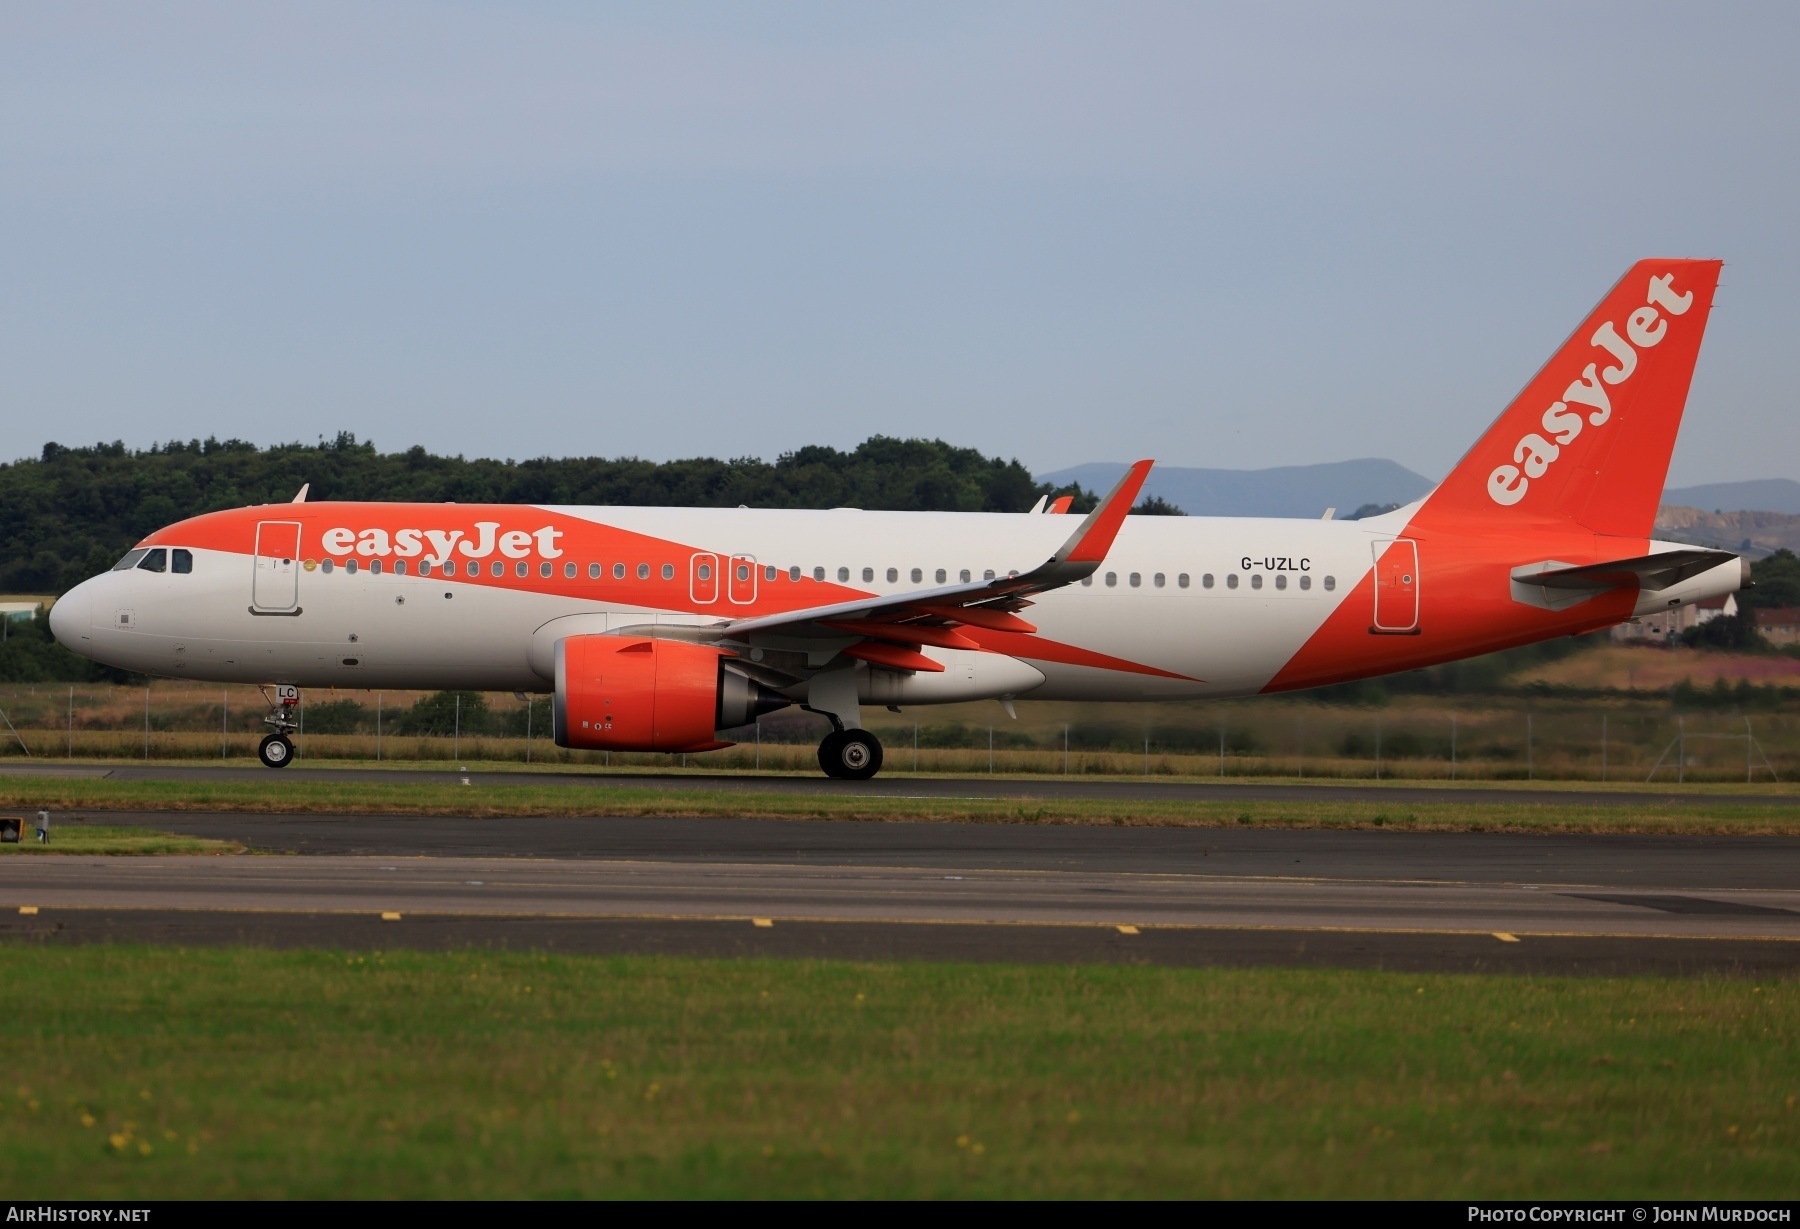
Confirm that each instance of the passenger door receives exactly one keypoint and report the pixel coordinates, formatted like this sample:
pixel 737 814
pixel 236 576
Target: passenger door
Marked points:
pixel 1396 586
pixel 275 585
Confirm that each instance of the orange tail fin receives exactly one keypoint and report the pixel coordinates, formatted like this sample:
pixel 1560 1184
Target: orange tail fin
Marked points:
pixel 1589 438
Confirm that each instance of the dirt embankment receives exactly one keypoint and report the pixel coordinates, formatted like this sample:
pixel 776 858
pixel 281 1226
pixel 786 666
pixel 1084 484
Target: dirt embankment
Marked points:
pixel 1766 532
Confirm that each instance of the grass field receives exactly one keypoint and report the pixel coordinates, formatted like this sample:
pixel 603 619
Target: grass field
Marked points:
pixel 1529 812
pixel 1612 731
pixel 153 1072
pixel 84 838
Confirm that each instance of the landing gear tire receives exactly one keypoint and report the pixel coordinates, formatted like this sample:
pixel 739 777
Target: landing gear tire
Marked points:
pixel 275 752
pixel 850 755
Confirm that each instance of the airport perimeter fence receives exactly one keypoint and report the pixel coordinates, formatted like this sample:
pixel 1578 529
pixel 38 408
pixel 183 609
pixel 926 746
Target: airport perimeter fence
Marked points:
pixel 1620 741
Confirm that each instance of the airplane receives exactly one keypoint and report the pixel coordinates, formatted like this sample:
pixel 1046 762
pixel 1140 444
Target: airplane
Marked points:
pixel 667 629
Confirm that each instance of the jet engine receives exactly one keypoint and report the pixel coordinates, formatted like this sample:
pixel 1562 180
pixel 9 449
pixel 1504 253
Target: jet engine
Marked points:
pixel 636 693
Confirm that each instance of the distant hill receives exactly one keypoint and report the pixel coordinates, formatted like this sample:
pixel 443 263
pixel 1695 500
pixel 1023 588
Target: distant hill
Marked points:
pixel 1761 495
pixel 1287 490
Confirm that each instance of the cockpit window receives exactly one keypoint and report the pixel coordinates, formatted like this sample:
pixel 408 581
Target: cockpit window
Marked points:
pixel 182 561
pixel 130 560
pixel 156 560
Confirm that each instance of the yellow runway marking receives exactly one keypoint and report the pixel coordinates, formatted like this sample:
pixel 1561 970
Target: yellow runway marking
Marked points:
pixel 762 923
pixel 1128 930
pixel 1505 938
pixel 28 910
pixel 390 917
pixel 1196 927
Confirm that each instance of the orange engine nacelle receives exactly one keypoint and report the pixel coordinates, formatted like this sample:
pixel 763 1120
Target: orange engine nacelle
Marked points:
pixel 634 693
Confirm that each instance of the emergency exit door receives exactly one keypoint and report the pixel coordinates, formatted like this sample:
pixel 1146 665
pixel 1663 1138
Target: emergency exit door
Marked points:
pixel 275 585
pixel 1396 587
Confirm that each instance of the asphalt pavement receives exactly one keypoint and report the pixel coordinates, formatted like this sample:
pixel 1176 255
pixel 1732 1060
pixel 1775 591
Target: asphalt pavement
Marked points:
pixel 1471 901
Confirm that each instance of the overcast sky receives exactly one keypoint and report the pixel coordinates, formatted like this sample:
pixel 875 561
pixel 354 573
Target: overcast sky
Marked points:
pixel 1223 236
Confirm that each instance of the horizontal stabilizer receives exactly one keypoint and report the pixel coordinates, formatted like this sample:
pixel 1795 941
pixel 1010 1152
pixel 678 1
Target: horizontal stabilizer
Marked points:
pixel 1644 572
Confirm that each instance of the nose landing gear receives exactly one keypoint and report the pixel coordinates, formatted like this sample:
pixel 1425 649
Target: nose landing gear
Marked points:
pixel 277 750
pixel 850 755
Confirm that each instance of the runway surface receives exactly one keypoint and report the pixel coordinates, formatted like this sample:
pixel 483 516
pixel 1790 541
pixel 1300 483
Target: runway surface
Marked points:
pixel 905 786
pixel 926 890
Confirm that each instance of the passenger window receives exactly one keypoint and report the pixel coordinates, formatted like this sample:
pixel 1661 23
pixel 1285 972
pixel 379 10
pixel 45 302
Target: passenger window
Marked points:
pixel 1280 580
pixel 400 567
pixel 965 575
pixel 618 571
pixel 1137 580
pixel 1159 580
pixel 130 560
pixel 1256 580
pixel 1112 579
pixel 1088 580
pixel 1181 581
pixel 350 566
pixel 328 567
pixel 568 571
pixel 771 572
pixel 942 576
pixel 182 561
pixel 544 570
pixel 593 571
pixel 868 575
pixel 668 571
pixel 893 575
pixel 1305 581
pixel 521 569
pixel 424 567
pixel 818 573
pixel 375 567
pixel 705 571
pixel 743 571
pixel 474 569
pixel 843 574
pixel 497 568
pixel 1231 580
pixel 643 571
pixel 155 561
pixel 1330 583
pixel 1206 580
pixel 918 575
pixel 988 575
pixel 794 573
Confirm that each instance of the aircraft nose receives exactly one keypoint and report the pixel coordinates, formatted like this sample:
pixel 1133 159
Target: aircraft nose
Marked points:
pixel 72 615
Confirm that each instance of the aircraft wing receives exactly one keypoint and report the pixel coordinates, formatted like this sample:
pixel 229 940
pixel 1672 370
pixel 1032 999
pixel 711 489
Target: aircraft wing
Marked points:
pixel 901 622
pixel 1644 572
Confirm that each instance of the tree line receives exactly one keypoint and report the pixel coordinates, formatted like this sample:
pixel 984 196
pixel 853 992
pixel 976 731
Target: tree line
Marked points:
pixel 71 512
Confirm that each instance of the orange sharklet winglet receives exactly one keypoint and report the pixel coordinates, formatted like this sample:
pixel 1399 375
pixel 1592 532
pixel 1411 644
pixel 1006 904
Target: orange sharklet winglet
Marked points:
pixel 1094 537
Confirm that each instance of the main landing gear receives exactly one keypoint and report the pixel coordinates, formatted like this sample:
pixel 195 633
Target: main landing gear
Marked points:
pixel 277 750
pixel 850 755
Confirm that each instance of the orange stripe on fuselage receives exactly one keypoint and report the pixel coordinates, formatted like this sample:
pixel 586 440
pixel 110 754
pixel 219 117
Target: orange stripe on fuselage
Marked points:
pixel 1465 603
pixel 578 541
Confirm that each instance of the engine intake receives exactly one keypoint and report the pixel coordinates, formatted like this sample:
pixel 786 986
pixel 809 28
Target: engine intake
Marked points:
pixel 636 693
